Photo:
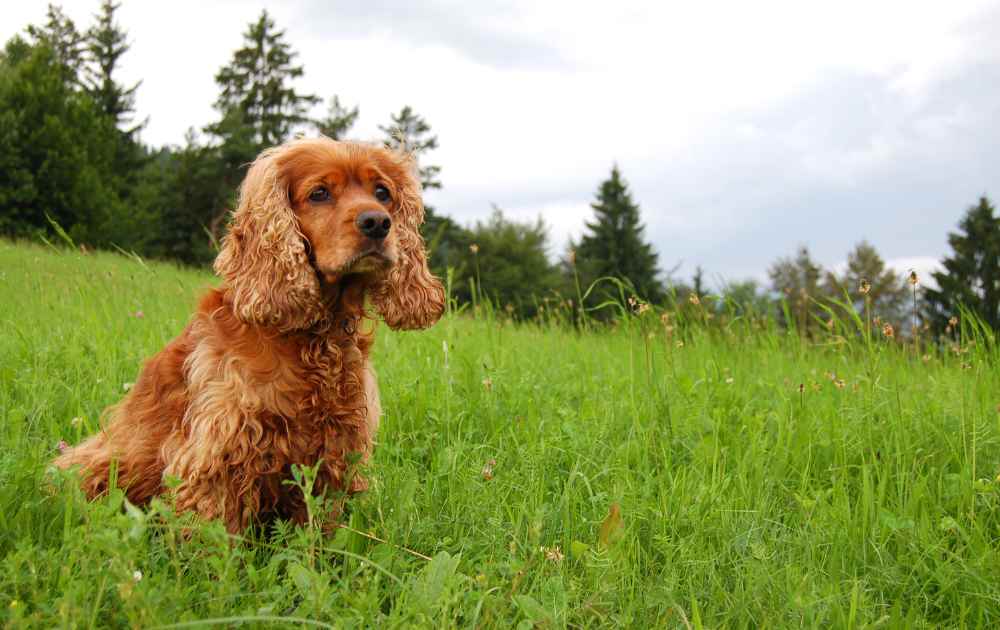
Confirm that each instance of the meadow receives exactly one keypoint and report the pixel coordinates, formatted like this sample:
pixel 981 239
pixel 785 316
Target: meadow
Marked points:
pixel 678 474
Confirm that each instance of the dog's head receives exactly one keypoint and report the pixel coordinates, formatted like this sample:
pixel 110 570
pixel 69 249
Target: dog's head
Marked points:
pixel 315 213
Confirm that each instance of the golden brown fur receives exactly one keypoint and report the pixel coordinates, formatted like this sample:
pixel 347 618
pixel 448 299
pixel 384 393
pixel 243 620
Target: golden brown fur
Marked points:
pixel 273 369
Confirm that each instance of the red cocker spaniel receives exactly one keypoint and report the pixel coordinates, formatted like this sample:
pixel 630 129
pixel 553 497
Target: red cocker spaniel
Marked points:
pixel 273 369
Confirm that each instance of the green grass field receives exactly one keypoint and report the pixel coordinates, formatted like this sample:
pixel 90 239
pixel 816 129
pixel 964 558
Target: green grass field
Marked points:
pixel 721 477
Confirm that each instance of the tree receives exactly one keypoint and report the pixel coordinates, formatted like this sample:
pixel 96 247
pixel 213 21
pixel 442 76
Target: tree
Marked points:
pixel 888 293
pixel 614 244
pixel 338 120
pixel 971 275
pixel 410 132
pixel 67 44
pixel 56 149
pixel 107 42
pixel 507 261
pixel 447 243
pixel 746 298
pixel 259 107
pixel 797 280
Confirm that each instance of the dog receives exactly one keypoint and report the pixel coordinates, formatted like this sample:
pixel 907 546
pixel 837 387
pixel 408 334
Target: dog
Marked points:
pixel 273 369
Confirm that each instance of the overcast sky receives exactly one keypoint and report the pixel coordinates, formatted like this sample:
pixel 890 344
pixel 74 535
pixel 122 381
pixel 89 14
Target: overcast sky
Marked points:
pixel 744 129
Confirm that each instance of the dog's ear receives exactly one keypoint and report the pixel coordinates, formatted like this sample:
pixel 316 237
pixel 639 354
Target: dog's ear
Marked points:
pixel 409 296
pixel 263 260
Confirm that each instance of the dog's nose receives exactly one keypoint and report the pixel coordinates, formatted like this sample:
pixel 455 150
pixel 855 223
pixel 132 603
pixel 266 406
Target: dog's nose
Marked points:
pixel 374 224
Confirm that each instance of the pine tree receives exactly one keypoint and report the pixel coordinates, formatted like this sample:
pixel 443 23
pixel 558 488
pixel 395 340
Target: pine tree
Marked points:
pixel 888 293
pixel 971 275
pixel 797 280
pixel 338 120
pixel 107 42
pixel 256 92
pixel 614 244
pixel 409 132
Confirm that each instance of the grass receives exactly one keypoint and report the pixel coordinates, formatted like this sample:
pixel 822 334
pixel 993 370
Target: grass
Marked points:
pixel 720 476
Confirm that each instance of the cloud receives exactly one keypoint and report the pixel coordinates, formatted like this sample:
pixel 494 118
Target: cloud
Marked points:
pixel 492 34
pixel 744 129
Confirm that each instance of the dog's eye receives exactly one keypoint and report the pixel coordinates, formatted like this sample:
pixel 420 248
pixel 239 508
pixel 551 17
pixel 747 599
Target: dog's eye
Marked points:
pixel 382 193
pixel 319 195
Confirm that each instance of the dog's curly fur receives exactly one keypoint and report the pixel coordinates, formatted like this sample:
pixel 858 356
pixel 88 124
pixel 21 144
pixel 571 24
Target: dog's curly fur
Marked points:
pixel 273 369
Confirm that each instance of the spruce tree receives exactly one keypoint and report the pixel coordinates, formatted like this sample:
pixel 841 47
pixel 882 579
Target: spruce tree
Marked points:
pixel 971 275
pixel 614 244
pixel 338 120
pixel 410 132
pixel 106 43
pixel 258 105
pixel 68 45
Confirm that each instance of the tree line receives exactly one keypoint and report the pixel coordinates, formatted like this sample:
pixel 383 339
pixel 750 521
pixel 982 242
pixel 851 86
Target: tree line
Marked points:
pixel 72 162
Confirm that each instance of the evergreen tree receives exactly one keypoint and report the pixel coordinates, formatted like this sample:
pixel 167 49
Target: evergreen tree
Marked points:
pixel 67 44
pixel 338 120
pixel 971 275
pixel 614 245
pixel 447 243
pixel 508 262
pixel 56 149
pixel 797 280
pixel 410 132
pixel 258 105
pixel 888 293
pixel 107 42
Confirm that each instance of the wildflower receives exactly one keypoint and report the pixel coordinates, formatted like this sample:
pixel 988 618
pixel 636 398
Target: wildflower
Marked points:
pixel 137 575
pixel 694 299
pixel 730 380
pixel 839 383
pixel 487 471
pixel 913 278
pixel 865 287
pixel 643 307
pixel 127 386
pixel 680 344
pixel 62 446
pixel 664 318
pixel 553 554
pixel 488 384
pixel 888 331
pixel 138 314
pixel 926 358
pixel 474 248
pixel 77 421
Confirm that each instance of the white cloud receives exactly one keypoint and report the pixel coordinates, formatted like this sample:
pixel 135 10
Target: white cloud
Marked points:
pixel 743 128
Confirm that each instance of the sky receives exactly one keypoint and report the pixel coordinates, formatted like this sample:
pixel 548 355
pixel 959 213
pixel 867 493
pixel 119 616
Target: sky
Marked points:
pixel 744 129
